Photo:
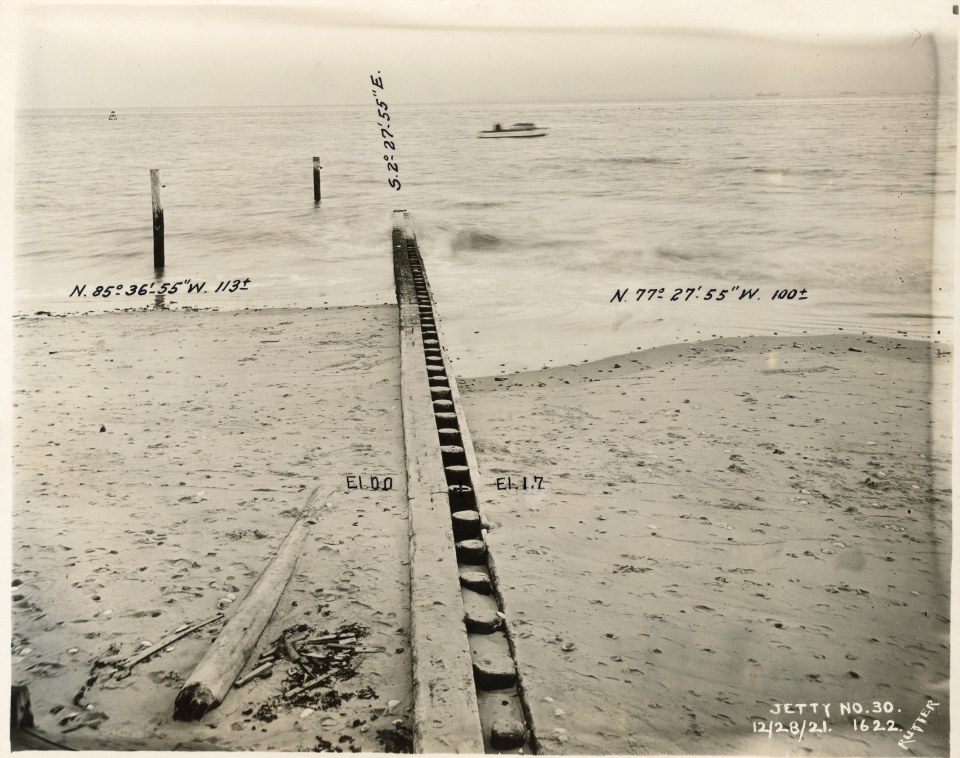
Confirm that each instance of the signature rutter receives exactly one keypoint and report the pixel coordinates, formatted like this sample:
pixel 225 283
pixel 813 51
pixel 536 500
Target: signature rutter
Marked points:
pixel 907 738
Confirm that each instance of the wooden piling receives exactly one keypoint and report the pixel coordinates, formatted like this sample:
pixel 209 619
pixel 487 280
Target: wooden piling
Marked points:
pixel 316 179
pixel 157 202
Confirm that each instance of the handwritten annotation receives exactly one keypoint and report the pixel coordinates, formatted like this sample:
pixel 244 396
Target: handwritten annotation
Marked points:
pixel 159 288
pixel 815 718
pixel 523 483
pixel 908 737
pixel 385 133
pixel 356 482
pixel 715 294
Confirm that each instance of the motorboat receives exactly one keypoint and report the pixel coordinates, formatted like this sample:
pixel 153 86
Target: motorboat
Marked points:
pixel 522 129
pixel 112 116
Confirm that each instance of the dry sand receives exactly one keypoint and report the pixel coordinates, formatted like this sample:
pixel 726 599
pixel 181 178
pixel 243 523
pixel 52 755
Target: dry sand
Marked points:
pixel 215 428
pixel 725 526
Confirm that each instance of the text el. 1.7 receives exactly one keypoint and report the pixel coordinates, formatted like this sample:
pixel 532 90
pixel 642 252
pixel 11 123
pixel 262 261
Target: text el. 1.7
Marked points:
pixel 385 134
pixel 521 483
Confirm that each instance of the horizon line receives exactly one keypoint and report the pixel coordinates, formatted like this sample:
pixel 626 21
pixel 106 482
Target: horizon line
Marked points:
pixel 766 97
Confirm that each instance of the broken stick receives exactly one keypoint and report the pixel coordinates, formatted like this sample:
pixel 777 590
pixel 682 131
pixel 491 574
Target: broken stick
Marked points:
pixel 218 670
pixel 260 670
pixel 131 662
pixel 311 685
pixel 291 651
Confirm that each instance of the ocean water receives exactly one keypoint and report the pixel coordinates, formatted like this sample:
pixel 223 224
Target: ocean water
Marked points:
pixel 525 241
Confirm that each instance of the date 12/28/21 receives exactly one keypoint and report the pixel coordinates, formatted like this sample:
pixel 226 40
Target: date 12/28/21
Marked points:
pixel 798 729
pixel 385 133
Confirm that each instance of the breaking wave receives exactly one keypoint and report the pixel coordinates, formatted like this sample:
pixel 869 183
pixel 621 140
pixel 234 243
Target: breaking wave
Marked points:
pixel 471 239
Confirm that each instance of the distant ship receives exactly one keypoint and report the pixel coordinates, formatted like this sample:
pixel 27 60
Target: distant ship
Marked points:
pixel 768 94
pixel 848 92
pixel 523 129
pixel 112 116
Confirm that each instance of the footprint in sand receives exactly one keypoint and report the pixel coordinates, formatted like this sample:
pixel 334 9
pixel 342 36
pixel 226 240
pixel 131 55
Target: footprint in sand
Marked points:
pixel 166 678
pixel 45 669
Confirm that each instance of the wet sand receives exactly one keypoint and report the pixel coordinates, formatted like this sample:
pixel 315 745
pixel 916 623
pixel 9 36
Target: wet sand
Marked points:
pixel 724 527
pixel 159 459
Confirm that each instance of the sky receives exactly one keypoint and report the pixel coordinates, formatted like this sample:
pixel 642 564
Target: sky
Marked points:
pixel 176 54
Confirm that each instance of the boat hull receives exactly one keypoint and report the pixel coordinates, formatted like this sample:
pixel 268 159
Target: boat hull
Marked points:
pixel 513 133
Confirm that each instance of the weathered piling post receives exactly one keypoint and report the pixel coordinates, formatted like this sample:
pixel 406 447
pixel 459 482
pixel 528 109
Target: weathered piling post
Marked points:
pixel 316 179
pixel 157 202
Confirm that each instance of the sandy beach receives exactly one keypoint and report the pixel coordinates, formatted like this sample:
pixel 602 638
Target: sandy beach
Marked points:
pixel 708 532
pixel 723 528
pixel 159 459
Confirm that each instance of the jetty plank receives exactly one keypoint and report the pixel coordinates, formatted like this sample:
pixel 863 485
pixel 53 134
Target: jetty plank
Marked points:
pixel 446 716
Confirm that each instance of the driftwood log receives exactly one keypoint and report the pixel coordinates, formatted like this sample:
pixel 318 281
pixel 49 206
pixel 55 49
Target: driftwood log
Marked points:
pixel 219 668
